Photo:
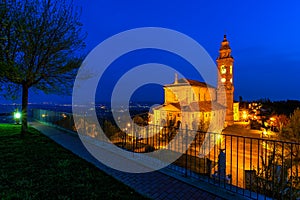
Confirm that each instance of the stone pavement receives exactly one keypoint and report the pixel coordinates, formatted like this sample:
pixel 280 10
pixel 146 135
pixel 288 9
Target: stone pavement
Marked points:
pixel 155 185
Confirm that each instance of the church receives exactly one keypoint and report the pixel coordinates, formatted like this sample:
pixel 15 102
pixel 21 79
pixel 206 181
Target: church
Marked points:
pixel 195 105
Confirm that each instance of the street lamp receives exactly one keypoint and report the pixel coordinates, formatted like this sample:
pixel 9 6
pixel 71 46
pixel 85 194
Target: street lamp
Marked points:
pixel 128 125
pixel 17 117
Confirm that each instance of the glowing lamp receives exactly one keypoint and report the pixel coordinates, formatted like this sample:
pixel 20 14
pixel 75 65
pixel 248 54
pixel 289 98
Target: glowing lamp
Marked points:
pixel 245 115
pixel 17 115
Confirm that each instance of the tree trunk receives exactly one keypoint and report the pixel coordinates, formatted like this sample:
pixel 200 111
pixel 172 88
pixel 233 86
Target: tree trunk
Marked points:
pixel 24 109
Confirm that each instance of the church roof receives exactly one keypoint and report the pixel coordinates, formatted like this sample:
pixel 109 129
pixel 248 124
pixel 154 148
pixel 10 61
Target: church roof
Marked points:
pixel 169 107
pixel 203 106
pixel 184 81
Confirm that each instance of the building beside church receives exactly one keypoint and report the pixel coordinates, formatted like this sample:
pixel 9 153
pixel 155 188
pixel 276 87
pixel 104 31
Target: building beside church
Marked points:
pixel 194 104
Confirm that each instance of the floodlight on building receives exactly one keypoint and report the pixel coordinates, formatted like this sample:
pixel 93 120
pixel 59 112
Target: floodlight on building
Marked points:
pixel 245 115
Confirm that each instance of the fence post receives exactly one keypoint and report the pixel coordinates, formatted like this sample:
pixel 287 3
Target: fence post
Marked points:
pixel 147 134
pixel 186 152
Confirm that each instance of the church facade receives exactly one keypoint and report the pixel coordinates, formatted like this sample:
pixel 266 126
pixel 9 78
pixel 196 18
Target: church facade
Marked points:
pixel 196 105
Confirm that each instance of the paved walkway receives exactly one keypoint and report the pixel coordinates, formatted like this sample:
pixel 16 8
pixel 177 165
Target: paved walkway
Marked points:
pixel 155 185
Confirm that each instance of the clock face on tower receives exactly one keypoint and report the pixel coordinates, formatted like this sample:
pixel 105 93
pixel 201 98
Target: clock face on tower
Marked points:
pixel 223 69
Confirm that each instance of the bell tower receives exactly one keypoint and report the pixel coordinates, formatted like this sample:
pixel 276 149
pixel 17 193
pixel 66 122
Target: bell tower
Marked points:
pixel 225 87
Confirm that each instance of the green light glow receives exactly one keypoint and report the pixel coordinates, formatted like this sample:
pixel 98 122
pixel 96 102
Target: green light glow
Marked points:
pixel 17 115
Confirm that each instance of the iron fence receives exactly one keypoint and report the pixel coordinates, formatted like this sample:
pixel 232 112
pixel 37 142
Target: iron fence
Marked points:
pixel 253 167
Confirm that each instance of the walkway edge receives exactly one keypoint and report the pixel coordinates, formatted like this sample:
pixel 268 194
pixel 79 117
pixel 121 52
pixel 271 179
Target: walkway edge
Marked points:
pixel 201 185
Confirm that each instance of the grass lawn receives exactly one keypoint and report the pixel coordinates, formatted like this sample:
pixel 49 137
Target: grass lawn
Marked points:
pixel 35 167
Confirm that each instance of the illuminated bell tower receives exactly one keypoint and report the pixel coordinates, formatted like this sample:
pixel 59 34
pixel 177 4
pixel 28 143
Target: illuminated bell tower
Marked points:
pixel 225 80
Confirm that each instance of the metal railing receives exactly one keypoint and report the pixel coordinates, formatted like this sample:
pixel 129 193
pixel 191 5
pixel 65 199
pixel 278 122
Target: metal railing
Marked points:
pixel 61 120
pixel 252 167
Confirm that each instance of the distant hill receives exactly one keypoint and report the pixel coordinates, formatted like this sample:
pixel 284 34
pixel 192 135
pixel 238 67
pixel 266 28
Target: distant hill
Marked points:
pixel 282 107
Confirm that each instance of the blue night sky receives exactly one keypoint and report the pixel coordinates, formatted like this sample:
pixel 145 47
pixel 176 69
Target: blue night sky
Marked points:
pixel 264 37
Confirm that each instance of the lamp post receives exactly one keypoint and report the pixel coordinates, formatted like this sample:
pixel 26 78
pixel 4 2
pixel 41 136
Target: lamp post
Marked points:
pixel 124 138
pixel 17 117
pixel 128 125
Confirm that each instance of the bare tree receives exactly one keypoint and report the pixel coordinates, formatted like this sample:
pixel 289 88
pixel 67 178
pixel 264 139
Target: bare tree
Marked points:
pixel 40 42
pixel 291 130
pixel 293 134
pixel 281 121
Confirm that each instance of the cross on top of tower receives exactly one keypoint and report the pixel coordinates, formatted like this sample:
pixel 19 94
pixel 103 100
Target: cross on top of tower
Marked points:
pixel 225 50
pixel 225 44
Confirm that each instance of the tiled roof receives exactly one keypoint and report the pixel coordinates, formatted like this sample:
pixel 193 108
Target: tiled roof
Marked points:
pixel 203 106
pixel 185 81
pixel 168 107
